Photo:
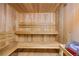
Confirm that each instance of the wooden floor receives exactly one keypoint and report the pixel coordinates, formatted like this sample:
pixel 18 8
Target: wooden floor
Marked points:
pixel 35 52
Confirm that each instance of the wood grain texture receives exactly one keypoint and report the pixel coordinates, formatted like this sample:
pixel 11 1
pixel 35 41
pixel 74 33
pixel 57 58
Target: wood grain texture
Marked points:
pixel 8 49
pixel 34 23
pixel 10 18
pixel 2 18
pixel 54 45
pixel 35 7
pixel 65 22
pixel 38 23
pixel 7 43
pixel 7 18
pixel 36 38
pixel 7 28
pixel 35 52
pixel 60 23
pixel 33 27
pixel 75 22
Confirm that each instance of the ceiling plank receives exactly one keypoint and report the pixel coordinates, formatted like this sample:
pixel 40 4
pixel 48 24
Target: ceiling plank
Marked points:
pixel 35 7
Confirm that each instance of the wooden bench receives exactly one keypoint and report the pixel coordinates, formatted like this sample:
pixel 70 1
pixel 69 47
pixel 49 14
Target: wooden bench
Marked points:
pixel 54 45
pixel 7 43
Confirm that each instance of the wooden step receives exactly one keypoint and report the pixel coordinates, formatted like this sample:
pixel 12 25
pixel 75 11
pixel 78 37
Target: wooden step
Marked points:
pixel 8 49
pixel 34 32
pixel 54 45
pixel 3 44
pixel 5 38
pixel 5 41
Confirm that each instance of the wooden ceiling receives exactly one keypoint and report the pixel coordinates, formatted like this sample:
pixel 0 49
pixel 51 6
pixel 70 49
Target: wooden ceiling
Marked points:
pixel 35 7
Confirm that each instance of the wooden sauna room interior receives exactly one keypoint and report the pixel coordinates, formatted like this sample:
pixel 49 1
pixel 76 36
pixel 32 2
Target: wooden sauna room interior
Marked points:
pixel 37 29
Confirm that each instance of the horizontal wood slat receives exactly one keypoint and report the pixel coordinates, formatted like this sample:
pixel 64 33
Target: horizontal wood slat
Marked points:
pixel 35 7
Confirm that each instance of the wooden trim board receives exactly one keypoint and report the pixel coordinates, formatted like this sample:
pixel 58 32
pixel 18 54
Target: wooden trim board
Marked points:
pixel 22 32
pixel 62 47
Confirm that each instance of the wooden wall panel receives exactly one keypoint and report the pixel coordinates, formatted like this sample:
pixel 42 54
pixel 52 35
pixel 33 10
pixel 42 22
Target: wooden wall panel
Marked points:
pixel 59 22
pixel 38 39
pixel 68 21
pixel 7 18
pixel 37 22
pixel 42 21
pixel 18 17
pixel 40 18
pixel 10 19
pixel 2 18
pixel 75 31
